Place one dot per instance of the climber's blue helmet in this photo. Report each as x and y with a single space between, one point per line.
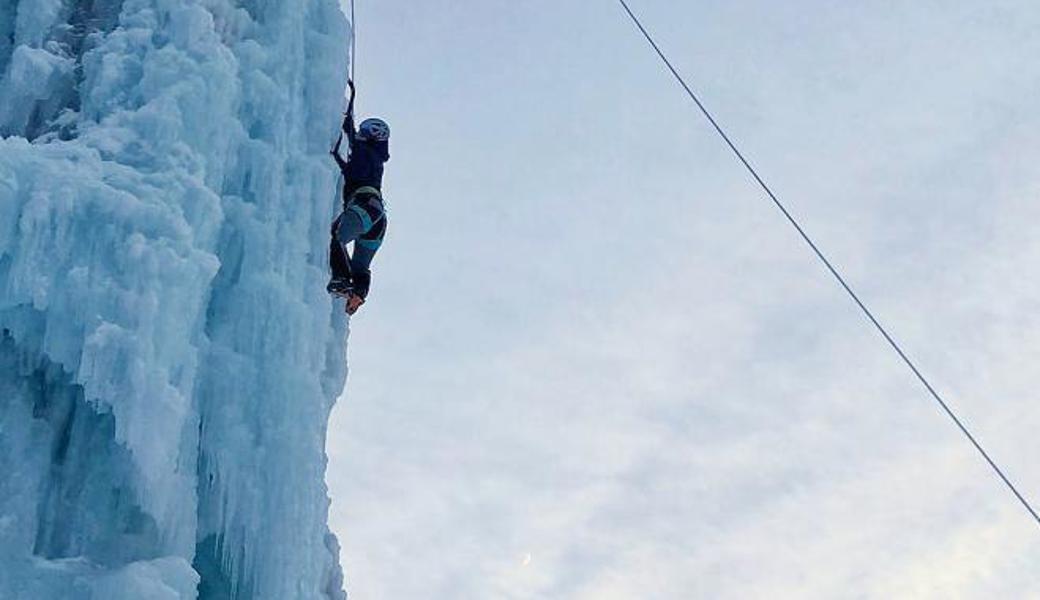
375 130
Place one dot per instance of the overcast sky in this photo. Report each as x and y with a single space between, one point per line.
597 364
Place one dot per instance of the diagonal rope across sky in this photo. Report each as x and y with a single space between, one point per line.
830 266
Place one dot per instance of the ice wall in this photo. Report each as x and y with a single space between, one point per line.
168 355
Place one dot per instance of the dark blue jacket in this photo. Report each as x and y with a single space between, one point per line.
364 166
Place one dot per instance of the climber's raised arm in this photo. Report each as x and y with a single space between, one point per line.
348 118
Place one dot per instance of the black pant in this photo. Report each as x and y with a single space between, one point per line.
363 221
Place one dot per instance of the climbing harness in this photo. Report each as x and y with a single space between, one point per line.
366 189
830 266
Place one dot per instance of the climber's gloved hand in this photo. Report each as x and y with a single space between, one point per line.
348 116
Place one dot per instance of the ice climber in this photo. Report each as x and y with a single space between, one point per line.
363 220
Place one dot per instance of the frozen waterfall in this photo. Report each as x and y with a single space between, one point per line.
168 355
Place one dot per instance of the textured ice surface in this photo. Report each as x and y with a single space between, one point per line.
168 356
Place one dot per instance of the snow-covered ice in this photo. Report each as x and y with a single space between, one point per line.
168 356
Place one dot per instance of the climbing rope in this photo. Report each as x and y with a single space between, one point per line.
353 41
830 267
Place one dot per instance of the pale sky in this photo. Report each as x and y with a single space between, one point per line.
597 364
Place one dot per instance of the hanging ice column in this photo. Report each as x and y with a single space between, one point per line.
168 356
